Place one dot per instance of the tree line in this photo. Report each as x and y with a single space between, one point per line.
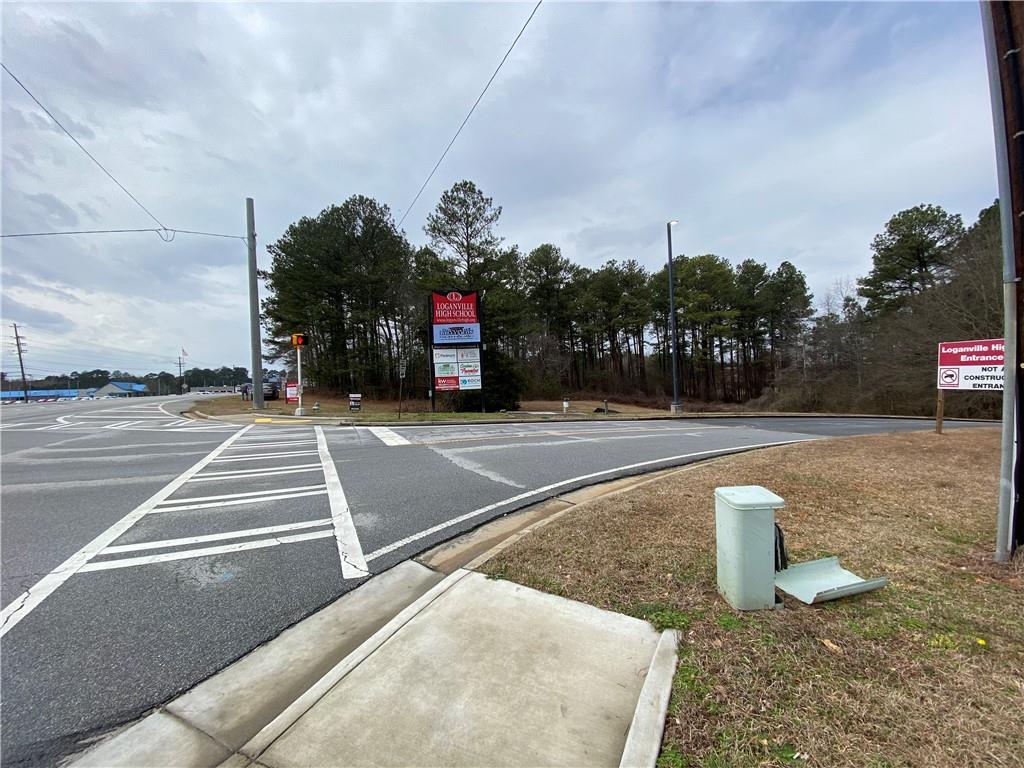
356 284
359 288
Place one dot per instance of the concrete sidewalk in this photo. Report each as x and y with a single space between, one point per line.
472 671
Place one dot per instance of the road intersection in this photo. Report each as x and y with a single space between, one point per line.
142 554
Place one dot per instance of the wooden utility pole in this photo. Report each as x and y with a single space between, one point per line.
940 403
21 362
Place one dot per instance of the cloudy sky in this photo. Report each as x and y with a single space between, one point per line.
771 131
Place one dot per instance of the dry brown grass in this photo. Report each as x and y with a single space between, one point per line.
903 679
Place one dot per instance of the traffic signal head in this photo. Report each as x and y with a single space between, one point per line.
299 340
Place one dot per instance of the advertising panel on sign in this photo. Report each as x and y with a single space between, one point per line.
454 308
468 354
446 369
446 383
469 382
445 355
291 392
971 364
469 369
457 334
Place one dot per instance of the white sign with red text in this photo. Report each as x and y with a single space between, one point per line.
971 364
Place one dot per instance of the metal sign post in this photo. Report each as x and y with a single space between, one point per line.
299 341
401 381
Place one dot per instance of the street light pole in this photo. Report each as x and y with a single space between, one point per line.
676 405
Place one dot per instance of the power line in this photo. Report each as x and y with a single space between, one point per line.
87 152
162 233
470 114
165 233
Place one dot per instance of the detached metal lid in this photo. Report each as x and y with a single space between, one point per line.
749 497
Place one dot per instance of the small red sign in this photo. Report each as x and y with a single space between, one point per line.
446 383
953 354
454 308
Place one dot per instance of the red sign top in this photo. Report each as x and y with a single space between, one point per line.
454 308
980 352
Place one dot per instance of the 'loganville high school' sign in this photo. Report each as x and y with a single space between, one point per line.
454 308
971 364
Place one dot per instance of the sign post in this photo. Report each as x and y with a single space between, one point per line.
401 381
299 341
455 343
968 365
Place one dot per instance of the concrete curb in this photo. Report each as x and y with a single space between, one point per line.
341 421
643 742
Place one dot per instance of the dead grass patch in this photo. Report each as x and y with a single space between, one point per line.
925 672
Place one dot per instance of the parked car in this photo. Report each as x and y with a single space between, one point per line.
271 390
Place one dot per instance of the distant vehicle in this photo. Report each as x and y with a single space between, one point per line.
271 390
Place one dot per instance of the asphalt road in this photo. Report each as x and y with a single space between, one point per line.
142 552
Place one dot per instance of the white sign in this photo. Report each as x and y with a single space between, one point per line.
971 364
470 382
446 369
468 354
445 355
469 369
457 334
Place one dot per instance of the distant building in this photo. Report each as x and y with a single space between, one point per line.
122 389
43 394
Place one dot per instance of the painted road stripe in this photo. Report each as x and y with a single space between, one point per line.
258 456
25 603
273 445
237 473
114 550
562 483
388 437
240 495
353 564
237 502
105 565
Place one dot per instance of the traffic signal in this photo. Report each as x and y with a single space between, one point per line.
299 339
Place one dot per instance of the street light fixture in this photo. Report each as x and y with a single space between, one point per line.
676 405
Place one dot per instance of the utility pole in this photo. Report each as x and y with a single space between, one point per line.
181 377
21 362
676 407
254 308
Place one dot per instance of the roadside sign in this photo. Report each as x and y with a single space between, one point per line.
469 382
355 402
401 369
446 383
971 365
468 354
454 308
468 333
291 392
469 369
443 355
446 369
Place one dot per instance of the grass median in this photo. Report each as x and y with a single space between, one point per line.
925 672
419 410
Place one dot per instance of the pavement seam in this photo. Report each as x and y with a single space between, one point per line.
281 724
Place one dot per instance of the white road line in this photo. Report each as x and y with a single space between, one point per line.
258 456
353 564
105 565
561 483
25 603
242 495
388 437
214 537
237 502
238 474
115 425
273 445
